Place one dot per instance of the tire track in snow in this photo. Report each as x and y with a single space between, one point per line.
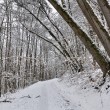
43 101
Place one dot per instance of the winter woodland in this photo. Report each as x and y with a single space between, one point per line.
46 39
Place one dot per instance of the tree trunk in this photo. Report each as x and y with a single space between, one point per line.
96 24
92 48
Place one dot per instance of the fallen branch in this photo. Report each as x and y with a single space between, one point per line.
6 101
38 96
28 96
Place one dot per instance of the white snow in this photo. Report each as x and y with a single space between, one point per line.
56 95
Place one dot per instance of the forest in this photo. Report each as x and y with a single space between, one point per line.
68 40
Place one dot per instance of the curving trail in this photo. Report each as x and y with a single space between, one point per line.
44 95
55 95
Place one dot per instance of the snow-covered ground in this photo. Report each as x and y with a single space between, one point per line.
56 95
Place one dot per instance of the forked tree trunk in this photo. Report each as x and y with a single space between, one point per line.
63 3
92 48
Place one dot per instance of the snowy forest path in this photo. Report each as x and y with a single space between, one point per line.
55 95
51 97
44 95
